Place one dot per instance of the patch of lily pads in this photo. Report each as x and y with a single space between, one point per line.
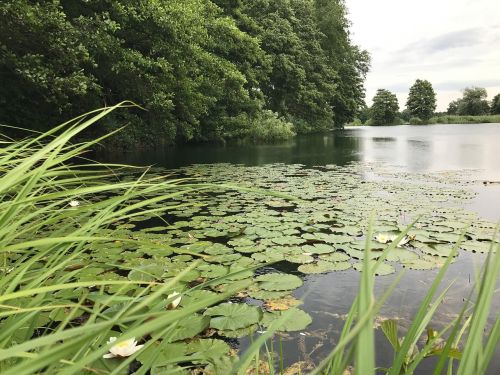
267 245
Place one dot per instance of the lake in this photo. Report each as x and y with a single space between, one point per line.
463 155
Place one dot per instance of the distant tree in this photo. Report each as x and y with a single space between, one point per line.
385 107
405 115
453 107
421 101
495 105
364 114
474 102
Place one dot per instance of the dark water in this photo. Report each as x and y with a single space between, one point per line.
474 149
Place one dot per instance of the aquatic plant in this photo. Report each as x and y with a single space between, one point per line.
91 252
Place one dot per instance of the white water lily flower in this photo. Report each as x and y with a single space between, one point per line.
122 349
382 238
402 242
74 203
174 303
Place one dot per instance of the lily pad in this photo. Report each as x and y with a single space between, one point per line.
278 281
382 270
323 266
296 320
233 316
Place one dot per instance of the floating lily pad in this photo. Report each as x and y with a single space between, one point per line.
323 266
479 246
300 258
278 281
382 270
318 249
281 304
233 316
335 257
296 320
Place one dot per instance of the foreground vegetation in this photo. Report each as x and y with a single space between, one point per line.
450 119
74 275
205 70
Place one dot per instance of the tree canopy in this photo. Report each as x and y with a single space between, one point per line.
385 107
203 70
495 105
473 103
421 101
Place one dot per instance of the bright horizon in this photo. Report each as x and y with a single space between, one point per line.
452 44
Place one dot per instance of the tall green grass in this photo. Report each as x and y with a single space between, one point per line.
41 239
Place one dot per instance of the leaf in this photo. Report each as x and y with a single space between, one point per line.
281 304
278 281
318 249
233 316
323 266
297 319
390 329
208 349
189 327
383 269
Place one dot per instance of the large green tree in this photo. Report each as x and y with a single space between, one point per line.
421 101
385 108
474 102
495 105
202 69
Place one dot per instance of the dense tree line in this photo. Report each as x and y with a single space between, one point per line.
203 70
421 106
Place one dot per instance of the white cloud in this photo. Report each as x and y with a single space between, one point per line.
452 43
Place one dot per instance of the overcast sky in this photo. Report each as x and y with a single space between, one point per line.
451 43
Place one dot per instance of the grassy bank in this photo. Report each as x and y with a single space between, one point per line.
448 119
62 301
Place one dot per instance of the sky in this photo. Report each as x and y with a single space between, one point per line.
452 43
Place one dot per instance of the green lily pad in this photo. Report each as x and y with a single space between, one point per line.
335 257
382 270
296 320
300 258
318 248
278 281
233 316
323 266
479 246
188 327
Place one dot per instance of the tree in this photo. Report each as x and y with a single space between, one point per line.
202 69
385 107
421 100
453 107
495 105
473 102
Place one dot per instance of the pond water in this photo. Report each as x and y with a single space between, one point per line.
467 154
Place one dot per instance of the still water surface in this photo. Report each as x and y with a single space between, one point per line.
473 149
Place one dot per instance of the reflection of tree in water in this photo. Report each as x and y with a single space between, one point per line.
337 147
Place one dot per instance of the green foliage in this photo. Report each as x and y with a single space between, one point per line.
268 127
465 119
421 101
495 105
472 103
203 70
415 121
385 108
